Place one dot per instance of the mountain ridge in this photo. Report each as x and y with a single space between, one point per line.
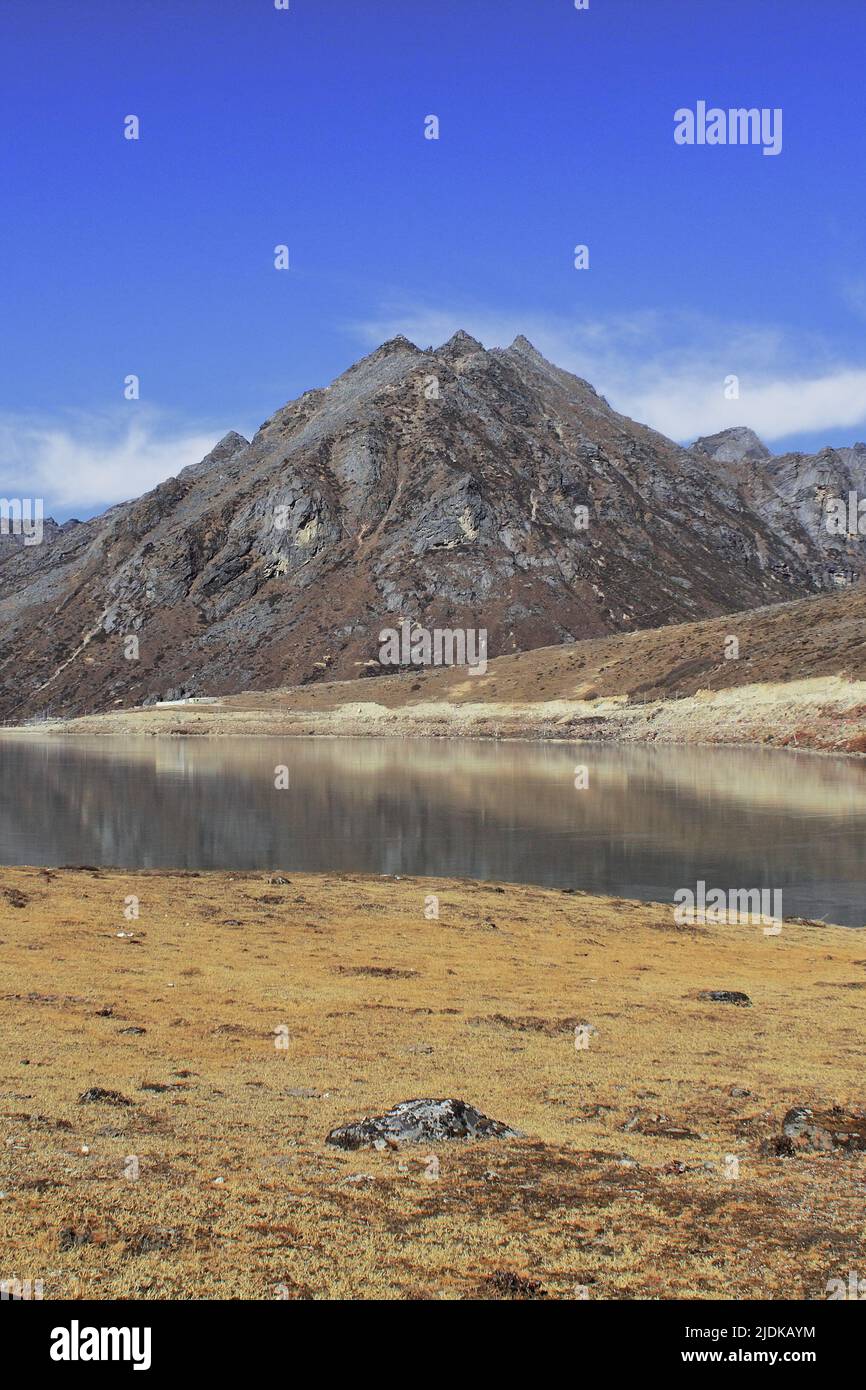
439 485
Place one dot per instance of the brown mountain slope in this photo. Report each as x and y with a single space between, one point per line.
799 680
439 486
820 636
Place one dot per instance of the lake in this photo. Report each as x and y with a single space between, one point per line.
651 819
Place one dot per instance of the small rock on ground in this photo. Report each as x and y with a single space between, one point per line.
421 1121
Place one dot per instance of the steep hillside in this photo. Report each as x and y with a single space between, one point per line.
458 488
799 680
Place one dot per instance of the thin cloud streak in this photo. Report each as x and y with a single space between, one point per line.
670 371
94 461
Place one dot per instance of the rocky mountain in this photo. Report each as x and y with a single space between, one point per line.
795 491
456 487
13 535
737 445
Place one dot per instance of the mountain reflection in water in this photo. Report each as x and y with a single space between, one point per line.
651 820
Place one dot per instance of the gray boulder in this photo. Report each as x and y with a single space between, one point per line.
420 1122
805 1130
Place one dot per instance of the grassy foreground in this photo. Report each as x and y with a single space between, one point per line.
237 1194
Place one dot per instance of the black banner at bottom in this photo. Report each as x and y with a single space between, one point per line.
149 1337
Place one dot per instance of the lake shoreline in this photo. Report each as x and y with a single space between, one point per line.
823 715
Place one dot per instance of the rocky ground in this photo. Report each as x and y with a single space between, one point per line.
170 1082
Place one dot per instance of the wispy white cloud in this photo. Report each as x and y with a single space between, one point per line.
690 405
94 460
670 370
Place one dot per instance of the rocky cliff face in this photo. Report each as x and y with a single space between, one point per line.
455 487
793 492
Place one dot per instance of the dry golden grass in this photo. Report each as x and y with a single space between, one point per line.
240 1194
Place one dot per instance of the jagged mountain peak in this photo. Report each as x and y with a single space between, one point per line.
460 344
222 452
522 344
399 343
390 348
395 354
526 353
529 358
735 445
231 441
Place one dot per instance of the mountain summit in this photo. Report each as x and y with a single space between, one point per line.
732 445
456 487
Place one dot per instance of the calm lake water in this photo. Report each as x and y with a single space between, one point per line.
651 820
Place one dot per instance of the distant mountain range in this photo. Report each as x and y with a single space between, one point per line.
455 487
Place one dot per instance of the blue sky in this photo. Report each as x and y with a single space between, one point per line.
306 127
